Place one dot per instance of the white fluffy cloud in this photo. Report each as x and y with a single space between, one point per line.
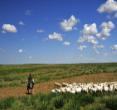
55 36
20 50
109 6
21 23
82 47
66 43
68 25
9 28
114 47
90 29
88 39
106 27
88 34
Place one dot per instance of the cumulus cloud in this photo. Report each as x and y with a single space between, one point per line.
55 36
20 50
68 25
66 43
109 6
82 47
106 27
40 30
114 47
90 29
9 28
89 39
88 34
21 23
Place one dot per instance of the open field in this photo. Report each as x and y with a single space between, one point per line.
46 87
16 75
13 93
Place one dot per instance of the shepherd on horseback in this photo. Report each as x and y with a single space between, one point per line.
30 84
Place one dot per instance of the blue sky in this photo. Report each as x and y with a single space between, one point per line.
58 31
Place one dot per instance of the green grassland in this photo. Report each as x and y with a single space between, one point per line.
16 75
51 101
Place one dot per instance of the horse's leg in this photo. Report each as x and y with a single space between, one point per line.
28 91
32 91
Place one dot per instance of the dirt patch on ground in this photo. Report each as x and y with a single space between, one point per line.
48 86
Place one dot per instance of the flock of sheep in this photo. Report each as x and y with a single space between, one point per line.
85 87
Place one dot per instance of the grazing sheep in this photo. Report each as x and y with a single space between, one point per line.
85 87
57 84
64 84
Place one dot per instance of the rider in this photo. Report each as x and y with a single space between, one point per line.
30 83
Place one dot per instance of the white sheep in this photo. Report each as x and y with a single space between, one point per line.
86 87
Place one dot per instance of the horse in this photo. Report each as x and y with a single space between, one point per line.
30 86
